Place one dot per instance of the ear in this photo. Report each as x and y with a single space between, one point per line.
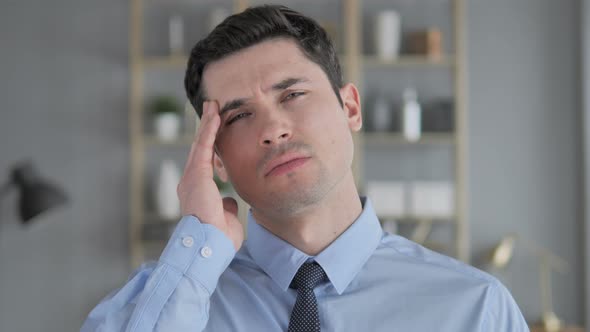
352 106
219 167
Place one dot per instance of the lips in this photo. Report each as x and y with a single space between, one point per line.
284 162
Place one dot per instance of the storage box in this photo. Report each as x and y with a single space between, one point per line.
388 198
425 42
432 199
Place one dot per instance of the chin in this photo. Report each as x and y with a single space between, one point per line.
296 194
297 198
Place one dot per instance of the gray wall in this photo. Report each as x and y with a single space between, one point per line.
63 86
525 164
585 41
64 90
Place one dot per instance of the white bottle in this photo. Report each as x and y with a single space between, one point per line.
411 116
167 203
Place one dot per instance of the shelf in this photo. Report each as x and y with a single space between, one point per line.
408 61
354 65
370 138
183 140
389 138
180 61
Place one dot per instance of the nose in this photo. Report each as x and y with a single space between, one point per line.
276 130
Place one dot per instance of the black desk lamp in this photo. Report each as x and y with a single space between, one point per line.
36 194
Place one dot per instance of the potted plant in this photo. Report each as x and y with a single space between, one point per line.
166 111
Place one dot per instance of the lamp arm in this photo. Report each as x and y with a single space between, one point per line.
545 284
422 231
551 259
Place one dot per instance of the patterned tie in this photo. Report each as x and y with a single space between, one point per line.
305 316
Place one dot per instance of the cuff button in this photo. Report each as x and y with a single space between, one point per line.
206 252
188 241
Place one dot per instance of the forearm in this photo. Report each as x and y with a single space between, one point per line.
172 294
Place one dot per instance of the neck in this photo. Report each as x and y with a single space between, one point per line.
312 230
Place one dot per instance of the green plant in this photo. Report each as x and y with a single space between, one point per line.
165 104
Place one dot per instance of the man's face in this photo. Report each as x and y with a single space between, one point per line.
284 140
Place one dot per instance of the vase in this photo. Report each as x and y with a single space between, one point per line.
387 34
167 203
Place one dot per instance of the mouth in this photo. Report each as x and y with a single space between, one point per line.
284 164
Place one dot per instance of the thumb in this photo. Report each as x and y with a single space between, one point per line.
230 205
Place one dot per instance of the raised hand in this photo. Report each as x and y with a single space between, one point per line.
197 191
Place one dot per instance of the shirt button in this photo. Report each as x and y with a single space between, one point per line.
188 241
206 252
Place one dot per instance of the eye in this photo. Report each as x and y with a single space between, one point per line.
293 95
237 117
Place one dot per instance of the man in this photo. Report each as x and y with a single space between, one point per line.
276 121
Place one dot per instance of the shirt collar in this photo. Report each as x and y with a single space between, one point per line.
341 260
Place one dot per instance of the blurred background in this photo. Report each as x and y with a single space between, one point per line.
474 142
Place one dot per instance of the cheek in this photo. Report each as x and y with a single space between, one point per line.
239 171
232 139
237 154
329 126
336 137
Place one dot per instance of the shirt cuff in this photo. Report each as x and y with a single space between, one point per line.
200 251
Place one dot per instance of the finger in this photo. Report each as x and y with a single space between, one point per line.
230 205
202 155
196 137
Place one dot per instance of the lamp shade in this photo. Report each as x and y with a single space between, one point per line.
502 253
36 194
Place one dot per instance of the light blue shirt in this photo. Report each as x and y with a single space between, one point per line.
377 282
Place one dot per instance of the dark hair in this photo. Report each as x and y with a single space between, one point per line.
252 26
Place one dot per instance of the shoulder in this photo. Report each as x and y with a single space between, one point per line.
498 310
422 268
402 250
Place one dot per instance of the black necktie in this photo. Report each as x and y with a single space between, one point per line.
305 316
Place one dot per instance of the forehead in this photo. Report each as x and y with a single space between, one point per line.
257 68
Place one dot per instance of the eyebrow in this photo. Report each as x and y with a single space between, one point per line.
282 85
287 82
232 104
